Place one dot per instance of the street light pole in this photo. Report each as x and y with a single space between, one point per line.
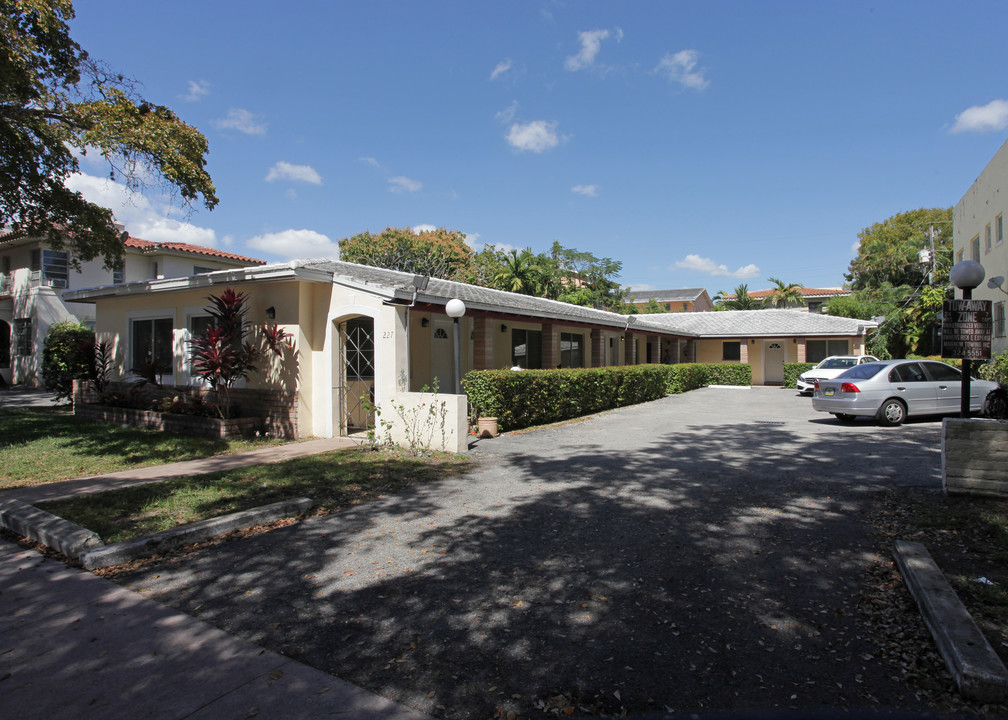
456 309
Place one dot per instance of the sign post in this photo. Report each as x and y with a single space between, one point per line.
966 334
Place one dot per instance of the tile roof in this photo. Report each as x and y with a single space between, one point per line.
760 323
680 295
148 246
806 292
400 285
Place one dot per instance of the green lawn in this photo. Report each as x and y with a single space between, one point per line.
335 479
40 445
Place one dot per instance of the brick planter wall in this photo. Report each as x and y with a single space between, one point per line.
269 411
975 456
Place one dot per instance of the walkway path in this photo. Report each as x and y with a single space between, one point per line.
75 645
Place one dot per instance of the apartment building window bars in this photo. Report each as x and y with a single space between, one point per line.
23 345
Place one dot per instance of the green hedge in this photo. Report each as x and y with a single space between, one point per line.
537 397
793 370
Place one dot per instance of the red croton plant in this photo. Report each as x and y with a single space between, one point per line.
228 350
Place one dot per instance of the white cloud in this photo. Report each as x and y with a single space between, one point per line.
536 136
370 161
641 287
682 68
140 216
400 183
508 114
292 244
706 265
423 227
198 89
299 173
500 68
243 121
983 118
591 44
586 190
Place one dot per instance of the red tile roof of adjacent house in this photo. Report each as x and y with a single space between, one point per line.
806 292
149 246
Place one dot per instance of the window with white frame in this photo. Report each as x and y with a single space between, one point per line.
999 229
23 344
987 239
999 319
152 344
118 274
975 248
53 267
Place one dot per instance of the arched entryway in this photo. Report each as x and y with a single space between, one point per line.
354 376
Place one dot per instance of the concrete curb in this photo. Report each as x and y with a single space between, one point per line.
50 530
978 671
177 537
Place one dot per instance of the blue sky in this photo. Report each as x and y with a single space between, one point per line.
702 144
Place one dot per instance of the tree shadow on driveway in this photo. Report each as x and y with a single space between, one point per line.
710 567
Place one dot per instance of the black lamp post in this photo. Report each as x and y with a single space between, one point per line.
966 275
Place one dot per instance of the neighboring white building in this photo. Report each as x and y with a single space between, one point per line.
978 233
33 279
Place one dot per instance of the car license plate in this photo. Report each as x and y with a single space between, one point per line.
828 392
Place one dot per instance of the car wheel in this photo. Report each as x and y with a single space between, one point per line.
892 412
996 404
844 417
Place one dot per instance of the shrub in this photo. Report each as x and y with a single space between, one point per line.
995 369
793 370
223 354
67 355
535 397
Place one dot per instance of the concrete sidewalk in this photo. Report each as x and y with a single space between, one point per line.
74 645
139 476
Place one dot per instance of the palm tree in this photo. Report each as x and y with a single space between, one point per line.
742 300
519 273
783 294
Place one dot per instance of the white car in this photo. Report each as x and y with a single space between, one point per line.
829 369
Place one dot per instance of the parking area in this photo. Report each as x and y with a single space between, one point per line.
704 552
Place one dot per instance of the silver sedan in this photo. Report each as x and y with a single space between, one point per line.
893 390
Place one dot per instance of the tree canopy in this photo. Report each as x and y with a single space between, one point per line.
56 104
439 253
888 251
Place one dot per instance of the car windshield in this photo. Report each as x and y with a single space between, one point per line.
861 372
838 363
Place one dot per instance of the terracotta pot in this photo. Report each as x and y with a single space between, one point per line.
487 427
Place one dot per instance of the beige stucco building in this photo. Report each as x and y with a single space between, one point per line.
978 233
34 280
385 336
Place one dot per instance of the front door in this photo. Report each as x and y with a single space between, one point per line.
353 393
773 363
443 354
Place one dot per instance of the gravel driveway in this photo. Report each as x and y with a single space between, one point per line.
704 552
